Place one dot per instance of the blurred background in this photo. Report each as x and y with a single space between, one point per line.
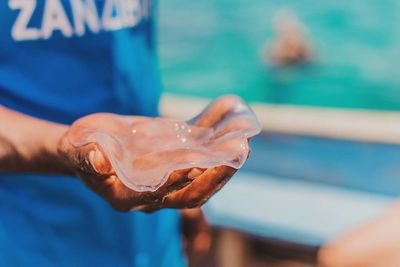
209 48
323 78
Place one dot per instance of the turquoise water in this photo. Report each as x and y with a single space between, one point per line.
212 47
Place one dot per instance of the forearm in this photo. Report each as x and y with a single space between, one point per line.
28 144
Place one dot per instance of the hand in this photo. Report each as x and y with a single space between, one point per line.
375 244
197 236
186 188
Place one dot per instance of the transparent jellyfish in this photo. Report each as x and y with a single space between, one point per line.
145 151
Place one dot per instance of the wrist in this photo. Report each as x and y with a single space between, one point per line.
54 162
38 151
28 144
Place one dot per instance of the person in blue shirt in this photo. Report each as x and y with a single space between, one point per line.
61 60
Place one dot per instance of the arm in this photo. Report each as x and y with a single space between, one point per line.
30 145
374 244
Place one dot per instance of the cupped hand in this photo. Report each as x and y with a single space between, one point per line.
185 188
196 233
374 244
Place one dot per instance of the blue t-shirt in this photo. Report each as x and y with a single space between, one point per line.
60 60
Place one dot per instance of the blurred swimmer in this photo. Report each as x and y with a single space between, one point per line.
290 46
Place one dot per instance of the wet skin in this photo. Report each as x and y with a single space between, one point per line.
186 187
31 145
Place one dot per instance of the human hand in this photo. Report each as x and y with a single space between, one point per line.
375 244
184 188
197 235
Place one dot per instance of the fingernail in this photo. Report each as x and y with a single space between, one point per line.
91 159
98 161
194 173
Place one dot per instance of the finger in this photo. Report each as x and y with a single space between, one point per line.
178 179
123 198
195 172
216 111
119 196
200 189
173 182
92 160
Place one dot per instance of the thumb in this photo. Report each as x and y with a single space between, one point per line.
92 160
99 161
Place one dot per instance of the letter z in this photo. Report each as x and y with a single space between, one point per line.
20 30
